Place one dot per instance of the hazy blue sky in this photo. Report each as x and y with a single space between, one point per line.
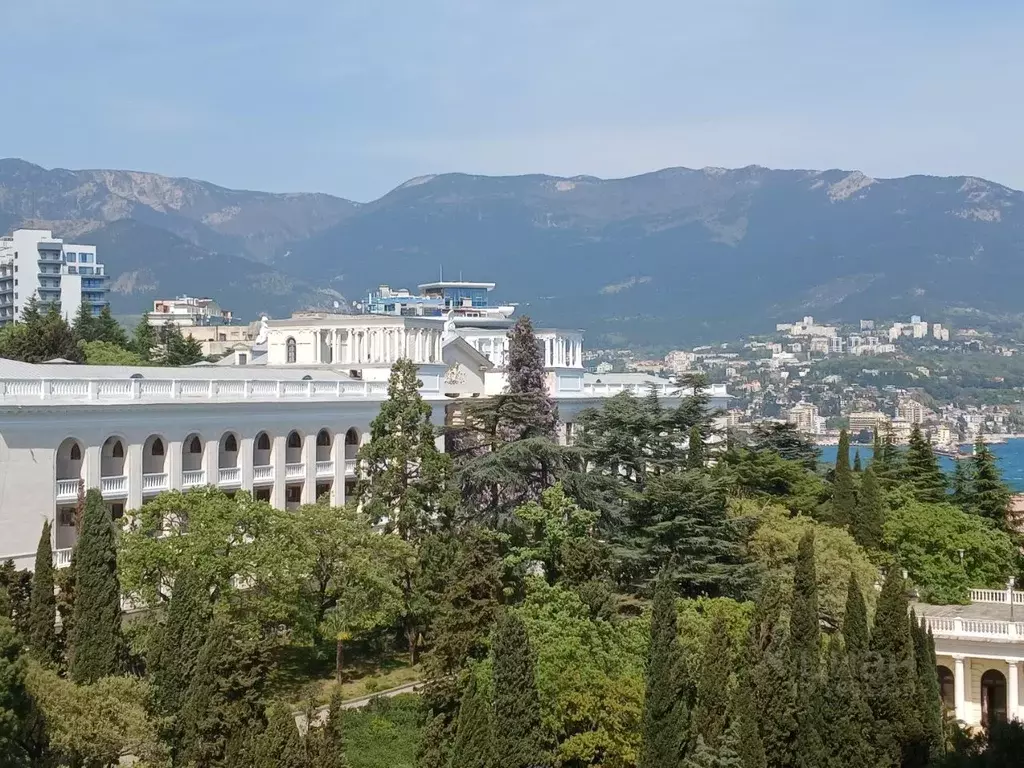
353 98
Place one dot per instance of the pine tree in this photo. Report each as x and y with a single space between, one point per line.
844 497
96 642
743 722
280 745
890 689
922 471
474 736
177 648
516 701
666 699
989 496
928 694
963 484
144 338
107 329
868 522
846 718
711 705
84 323
695 458
327 745
857 466
887 461
42 637
527 382
805 646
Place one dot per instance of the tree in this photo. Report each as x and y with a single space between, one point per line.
890 688
105 353
527 382
887 461
743 721
516 702
928 693
922 471
280 745
545 528
846 718
666 702
711 704
16 597
844 497
928 540
785 441
963 484
770 677
855 624
327 744
224 699
681 523
178 644
42 636
857 466
108 330
40 336
16 706
144 338
175 348
695 458
805 647
84 323
96 644
474 738
867 525
989 497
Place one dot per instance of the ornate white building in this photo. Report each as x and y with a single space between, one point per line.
285 423
979 649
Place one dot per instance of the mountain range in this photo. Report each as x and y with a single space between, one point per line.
677 255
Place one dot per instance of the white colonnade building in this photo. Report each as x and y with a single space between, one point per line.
284 423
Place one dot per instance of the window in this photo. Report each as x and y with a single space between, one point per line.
263 442
158 447
242 358
323 438
117 451
70 257
294 441
290 350
230 444
195 445
76 452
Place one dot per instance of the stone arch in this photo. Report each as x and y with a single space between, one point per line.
227 455
70 459
993 697
352 439
262 446
112 457
947 686
293 448
324 444
291 351
192 450
154 455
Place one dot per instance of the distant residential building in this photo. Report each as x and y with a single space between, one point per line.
219 340
604 367
940 333
187 311
733 418
867 325
807 327
873 421
804 416
35 263
820 345
680 360
910 410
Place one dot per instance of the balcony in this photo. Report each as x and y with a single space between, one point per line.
325 469
263 475
114 487
62 558
975 629
155 482
295 471
350 467
230 476
192 478
67 490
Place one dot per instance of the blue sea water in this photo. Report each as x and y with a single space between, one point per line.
1010 456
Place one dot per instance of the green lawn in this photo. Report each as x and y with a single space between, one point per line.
302 676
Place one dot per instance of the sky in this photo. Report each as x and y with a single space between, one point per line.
354 98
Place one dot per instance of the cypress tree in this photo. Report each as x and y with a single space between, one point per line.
327 744
42 637
846 717
844 497
280 745
178 646
868 523
527 381
17 713
887 461
665 701
704 756
711 705
743 721
805 647
890 689
771 680
96 642
474 735
731 750
516 701
989 496
928 693
922 471
695 457
855 624
857 466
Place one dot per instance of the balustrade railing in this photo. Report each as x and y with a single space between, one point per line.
190 478
116 485
324 468
981 629
295 471
263 473
350 467
153 482
62 558
67 490
996 596
230 475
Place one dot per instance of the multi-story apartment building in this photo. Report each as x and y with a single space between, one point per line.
805 417
186 311
872 421
34 263
910 410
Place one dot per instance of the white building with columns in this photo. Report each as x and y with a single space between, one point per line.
286 426
979 649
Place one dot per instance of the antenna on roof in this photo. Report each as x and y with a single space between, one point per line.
440 273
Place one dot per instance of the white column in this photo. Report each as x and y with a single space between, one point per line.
211 461
133 468
958 687
1013 691
245 461
309 483
172 464
280 456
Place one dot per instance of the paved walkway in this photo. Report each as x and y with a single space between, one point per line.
320 714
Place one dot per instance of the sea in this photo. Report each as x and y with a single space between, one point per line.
1010 456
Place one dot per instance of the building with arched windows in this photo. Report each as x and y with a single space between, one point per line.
287 429
979 650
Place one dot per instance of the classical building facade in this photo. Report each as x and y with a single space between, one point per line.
285 425
979 649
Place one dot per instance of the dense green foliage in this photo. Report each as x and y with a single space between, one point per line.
42 633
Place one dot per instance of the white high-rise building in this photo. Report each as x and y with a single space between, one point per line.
35 263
